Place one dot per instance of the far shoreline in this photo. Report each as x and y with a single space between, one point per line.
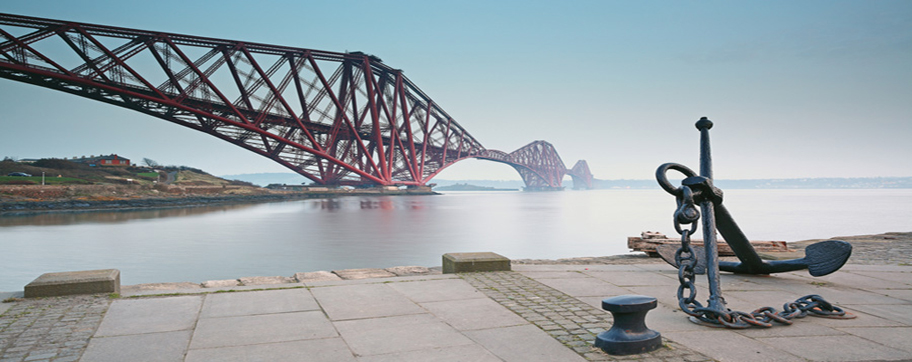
93 203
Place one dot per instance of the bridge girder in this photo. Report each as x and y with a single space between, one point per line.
335 118
538 163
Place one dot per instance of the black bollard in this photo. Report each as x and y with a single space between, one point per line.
629 334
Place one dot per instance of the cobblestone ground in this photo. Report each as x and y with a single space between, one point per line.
50 329
570 321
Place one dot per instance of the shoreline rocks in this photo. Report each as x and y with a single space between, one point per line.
30 207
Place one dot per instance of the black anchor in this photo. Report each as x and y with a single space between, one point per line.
820 259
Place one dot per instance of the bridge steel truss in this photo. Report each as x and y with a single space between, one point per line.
335 118
582 177
539 165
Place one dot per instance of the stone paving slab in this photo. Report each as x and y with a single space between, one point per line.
152 347
472 314
634 278
262 328
437 290
315 350
897 313
261 302
725 346
472 352
340 282
904 294
363 301
374 336
836 348
894 337
138 316
523 343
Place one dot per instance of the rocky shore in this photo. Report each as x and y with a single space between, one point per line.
25 200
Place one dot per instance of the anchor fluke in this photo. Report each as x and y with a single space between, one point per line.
827 256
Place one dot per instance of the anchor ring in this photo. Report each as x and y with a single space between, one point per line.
662 178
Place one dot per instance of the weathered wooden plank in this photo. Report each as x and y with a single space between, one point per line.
648 245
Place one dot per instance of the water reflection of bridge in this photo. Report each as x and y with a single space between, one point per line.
335 118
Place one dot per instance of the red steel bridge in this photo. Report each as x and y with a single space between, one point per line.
335 118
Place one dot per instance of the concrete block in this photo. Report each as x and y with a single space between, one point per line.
474 262
75 282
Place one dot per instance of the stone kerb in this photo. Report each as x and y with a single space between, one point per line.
474 262
74 282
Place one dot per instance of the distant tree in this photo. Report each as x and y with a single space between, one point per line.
8 158
151 163
241 183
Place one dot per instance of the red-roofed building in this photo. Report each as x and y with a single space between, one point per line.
109 160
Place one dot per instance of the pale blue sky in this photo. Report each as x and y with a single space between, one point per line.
796 88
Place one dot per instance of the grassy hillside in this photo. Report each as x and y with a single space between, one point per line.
63 172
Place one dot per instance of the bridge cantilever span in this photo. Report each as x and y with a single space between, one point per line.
538 163
582 177
335 118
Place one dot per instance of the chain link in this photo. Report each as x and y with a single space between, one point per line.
762 317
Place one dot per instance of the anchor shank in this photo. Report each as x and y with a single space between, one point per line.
704 125
709 222
712 256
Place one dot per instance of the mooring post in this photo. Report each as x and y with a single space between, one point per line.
629 334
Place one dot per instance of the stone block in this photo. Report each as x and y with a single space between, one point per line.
352 274
474 262
220 283
75 282
266 280
409 270
159 287
315 276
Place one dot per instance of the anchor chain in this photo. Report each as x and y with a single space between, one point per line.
686 259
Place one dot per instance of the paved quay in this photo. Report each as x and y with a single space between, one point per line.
533 313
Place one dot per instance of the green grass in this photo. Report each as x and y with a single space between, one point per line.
48 180
148 174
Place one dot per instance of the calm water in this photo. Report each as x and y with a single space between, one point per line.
227 242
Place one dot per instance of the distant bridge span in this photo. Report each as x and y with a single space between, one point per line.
335 118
